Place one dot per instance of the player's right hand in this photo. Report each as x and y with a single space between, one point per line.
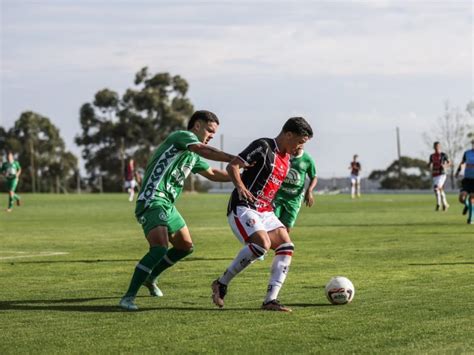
245 194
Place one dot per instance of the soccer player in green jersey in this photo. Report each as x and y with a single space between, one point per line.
11 169
289 198
178 156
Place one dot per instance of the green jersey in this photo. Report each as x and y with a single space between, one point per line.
167 169
11 169
293 186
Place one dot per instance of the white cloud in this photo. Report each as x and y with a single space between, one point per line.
380 41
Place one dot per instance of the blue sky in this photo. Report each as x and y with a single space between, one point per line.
354 69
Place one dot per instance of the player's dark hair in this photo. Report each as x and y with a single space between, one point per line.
299 126
202 115
435 144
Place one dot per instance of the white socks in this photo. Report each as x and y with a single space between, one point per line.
246 256
280 267
443 198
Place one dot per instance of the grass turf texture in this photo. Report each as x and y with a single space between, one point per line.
411 267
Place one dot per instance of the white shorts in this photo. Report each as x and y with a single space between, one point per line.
248 221
438 181
355 179
130 184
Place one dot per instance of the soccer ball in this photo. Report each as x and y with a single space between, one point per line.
340 290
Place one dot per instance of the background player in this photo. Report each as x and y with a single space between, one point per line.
466 195
289 198
131 177
11 170
250 212
355 168
438 162
178 156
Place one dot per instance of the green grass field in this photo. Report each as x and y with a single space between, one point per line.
412 269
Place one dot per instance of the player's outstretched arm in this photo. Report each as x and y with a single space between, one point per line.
210 153
308 197
459 169
215 175
461 165
233 169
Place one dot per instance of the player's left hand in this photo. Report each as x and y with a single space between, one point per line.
308 199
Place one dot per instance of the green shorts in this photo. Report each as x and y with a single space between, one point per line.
11 184
161 215
287 212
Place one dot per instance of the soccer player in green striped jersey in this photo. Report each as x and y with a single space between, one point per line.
291 195
11 169
179 155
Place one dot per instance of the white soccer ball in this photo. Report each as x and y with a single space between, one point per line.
340 290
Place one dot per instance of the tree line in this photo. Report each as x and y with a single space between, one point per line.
115 127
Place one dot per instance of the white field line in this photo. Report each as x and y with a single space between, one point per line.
25 255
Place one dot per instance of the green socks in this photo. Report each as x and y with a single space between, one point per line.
172 257
11 200
469 209
144 268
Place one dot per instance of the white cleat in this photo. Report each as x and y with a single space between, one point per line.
128 304
154 290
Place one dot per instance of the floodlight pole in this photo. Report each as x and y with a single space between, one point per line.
399 154
222 163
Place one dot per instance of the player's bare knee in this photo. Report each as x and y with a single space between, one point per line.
186 246
261 239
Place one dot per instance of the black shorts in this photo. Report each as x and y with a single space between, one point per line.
467 185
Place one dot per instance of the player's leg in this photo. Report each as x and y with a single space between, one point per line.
437 192
358 186
10 185
10 201
470 199
156 232
247 226
438 197
444 200
182 247
353 182
441 184
463 196
15 195
131 190
281 243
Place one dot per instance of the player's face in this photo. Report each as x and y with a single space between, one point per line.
295 142
206 131
10 158
438 148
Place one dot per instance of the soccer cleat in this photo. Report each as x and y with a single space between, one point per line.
128 304
464 211
8 209
445 207
154 290
275 305
219 290
18 203
437 208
